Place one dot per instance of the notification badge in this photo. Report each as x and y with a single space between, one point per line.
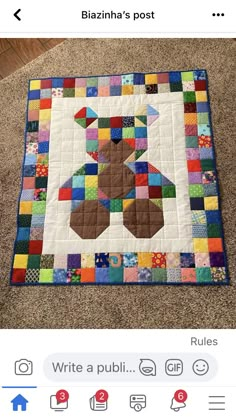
178 401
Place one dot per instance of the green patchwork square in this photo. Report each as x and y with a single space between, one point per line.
91 193
214 230
138 153
207 165
103 122
203 274
41 182
92 145
159 275
176 87
92 81
34 261
39 207
196 190
46 275
157 202
128 132
187 76
116 205
82 122
203 118
116 274
68 92
168 191
22 247
24 220
191 142
189 97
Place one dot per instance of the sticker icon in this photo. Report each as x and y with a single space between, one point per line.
99 402
178 401
147 367
200 367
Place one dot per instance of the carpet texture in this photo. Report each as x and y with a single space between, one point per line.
119 307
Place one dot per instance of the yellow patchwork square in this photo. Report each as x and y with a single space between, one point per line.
151 79
35 84
200 245
26 207
91 181
127 203
201 96
190 118
144 260
45 115
80 91
104 133
34 105
20 261
211 203
127 89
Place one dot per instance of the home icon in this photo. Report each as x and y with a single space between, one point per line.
19 403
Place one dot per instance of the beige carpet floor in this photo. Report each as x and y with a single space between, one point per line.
127 306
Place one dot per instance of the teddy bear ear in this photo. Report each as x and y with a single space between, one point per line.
85 117
147 114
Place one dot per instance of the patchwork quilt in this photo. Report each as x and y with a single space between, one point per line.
119 183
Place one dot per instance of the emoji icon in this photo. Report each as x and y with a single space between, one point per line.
200 367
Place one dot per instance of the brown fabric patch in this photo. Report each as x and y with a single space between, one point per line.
143 218
116 153
116 180
90 219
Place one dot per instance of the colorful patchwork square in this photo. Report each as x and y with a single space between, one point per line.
128 192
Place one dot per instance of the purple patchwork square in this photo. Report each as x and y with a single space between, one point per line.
195 177
217 259
74 261
115 80
91 134
141 144
43 136
192 153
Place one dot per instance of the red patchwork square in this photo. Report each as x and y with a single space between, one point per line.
194 165
155 191
116 122
141 179
46 84
35 247
45 103
65 194
200 85
29 183
18 276
159 260
69 83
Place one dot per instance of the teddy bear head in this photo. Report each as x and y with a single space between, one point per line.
116 139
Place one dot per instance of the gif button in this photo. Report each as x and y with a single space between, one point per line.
174 367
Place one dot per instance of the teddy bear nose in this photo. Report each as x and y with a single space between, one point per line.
116 140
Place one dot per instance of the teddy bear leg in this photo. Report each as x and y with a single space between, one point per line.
143 218
90 219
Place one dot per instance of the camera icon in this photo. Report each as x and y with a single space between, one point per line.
23 367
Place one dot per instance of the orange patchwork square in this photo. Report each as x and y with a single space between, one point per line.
190 118
215 245
88 275
45 103
194 166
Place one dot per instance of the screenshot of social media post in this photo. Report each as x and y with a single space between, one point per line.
117 211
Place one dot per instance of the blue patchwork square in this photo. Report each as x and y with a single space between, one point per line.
130 259
105 203
29 170
204 129
34 94
78 181
27 195
131 194
202 107
116 133
139 79
60 276
141 167
141 132
102 275
199 230
37 220
78 193
127 79
199 75
213 216
23 233
91 169
115 90
45 93
174 76
57 83
75 204
43 147
210 189
102 260
206 153
30 159
92 91
154 179
187 260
